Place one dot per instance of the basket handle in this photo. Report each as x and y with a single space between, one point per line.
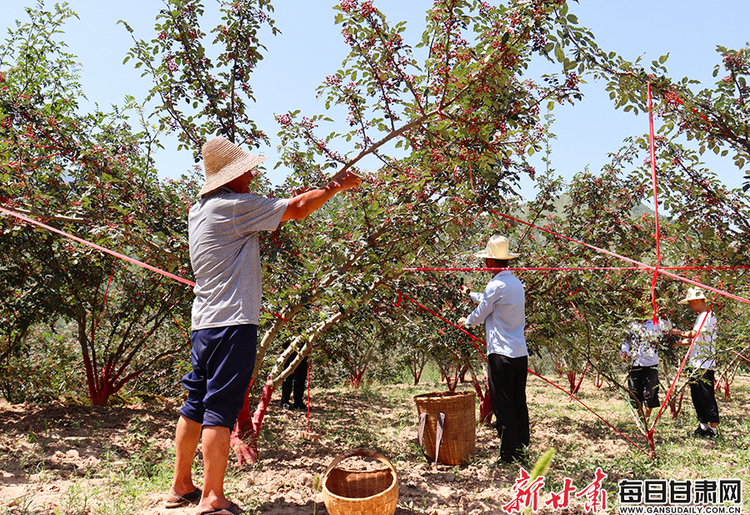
367 453
438 434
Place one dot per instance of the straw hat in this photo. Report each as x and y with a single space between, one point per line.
497 248
224 161
693 293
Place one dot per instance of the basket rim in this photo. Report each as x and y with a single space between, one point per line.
444 395
367 453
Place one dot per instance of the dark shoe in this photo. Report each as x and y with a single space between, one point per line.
175 501
232 509
285 405
699 433
300 407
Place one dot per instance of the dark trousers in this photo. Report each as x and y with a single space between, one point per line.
295 382
643 383
507 382
703 395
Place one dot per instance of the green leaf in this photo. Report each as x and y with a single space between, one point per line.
559 53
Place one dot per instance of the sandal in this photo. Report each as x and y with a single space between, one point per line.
232 509
175 501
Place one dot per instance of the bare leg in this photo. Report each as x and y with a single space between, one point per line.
215 458
186 442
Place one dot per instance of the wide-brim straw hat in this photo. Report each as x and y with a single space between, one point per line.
224 161
497 248
693 294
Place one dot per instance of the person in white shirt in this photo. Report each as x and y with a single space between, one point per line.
501 307
701 362
641 347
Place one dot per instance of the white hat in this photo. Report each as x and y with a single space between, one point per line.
497 248
224 161
693 293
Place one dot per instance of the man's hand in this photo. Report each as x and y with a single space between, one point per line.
465 290
300 191
461 322
304 203
347 181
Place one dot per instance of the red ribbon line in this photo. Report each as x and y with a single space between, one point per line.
569 268
740 355
113 253
591 410
98 247
475 339
652 148
679 370
622 258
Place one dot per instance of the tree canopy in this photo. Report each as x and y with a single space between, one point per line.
452 134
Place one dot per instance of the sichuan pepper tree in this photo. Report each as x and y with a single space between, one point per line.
90 175
447 133
463 121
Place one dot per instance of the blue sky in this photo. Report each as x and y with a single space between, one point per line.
310 47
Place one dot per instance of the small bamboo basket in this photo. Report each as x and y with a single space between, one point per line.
447 426
353 492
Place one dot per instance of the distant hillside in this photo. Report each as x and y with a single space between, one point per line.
564 199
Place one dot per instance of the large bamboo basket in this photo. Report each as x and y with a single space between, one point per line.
353 492
447 426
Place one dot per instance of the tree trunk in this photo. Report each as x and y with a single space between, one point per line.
355 378
483 394
244 438
675 405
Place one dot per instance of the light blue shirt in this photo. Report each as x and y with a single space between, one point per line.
502 309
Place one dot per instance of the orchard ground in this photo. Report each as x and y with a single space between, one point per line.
70 459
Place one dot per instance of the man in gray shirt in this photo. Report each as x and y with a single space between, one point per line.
223 229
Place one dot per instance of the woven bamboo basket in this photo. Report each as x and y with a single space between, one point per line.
353 492
455 413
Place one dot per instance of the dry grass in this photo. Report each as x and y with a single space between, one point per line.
82 460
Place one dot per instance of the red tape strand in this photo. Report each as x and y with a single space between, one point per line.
623 258
570 268
112 252
97 247
652 148
475 339
740 355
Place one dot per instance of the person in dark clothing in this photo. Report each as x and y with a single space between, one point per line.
295 384
701 362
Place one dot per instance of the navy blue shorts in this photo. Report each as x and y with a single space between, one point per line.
223 359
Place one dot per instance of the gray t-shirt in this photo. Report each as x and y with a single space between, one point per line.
223 235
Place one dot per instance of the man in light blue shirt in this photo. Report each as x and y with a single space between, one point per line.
501 307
